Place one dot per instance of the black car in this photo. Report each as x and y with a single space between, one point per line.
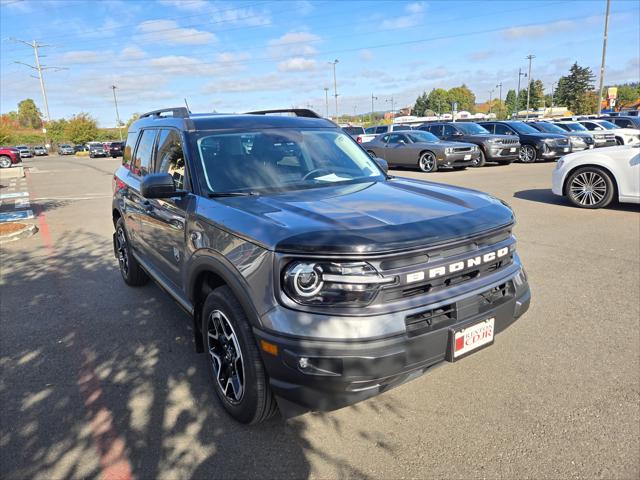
313 279
115 149
80 148
623 121
534 145
502 149
579 140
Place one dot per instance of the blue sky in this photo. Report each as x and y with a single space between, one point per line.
235 56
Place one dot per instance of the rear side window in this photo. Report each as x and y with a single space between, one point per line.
488 127
170 157
128 149
436 130
382 129
623 122
503 130
142 157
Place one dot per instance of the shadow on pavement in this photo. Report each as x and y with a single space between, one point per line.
95 374
545 195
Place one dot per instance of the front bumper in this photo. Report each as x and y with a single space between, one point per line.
557 179
551 152
464 159
309 374
503 153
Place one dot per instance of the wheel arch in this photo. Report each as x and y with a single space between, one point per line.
592 165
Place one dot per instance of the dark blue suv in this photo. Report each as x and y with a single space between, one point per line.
313 278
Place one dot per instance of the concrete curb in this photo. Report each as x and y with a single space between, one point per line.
28 230
13 172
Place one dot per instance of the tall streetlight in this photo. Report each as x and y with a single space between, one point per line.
335 85
326 100
604 55
372 99
115 101
390 100
499 86
529 57
490 99
520 75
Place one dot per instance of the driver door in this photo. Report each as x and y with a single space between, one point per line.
395 150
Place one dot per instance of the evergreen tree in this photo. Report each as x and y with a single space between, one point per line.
511 102
573 89
420 105
28 114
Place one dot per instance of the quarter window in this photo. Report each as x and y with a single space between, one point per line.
170 156
127 153
142 159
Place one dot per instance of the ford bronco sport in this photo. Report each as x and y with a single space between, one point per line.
314 279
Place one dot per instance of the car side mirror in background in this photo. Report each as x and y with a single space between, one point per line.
159 185
382 163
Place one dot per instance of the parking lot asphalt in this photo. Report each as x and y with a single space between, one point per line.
100 379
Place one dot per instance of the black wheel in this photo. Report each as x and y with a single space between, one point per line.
619 141
239 378
427 162
91 155
528 154
130 269
480 161
590 187
5 162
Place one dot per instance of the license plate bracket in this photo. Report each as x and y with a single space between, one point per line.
463 341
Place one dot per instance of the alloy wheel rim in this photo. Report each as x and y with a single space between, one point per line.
526 154
426 162
123 253
588 188
226 357
5 163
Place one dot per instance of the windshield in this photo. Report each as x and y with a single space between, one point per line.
607 125
282 160
353 130
522 127
471 128
576 127
550 128
420 136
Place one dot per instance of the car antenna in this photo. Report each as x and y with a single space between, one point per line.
187 105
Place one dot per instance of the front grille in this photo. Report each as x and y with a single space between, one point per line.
430 320
462 149
509 141
561 142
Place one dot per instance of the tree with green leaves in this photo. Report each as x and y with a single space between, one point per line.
464 97
28 114
56 130
81 128
420 105
573 90
536 95
438 101
133 118
511 102
628 94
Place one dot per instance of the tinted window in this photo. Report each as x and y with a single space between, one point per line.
353 130
396 138
623 122
548 127
422 137
522 127
382 129
169 158
385 138
502 129
488 127
448 130
436 130
471 128
142 158
128 149
370 130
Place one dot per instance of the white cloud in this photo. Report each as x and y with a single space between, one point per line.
414 16
168 31
241 16
191 5
132 53
231 57
180 64
480 55
298 64
294 43
539 30
415 8
365 55
83 56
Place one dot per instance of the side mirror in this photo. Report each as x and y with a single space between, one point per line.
457 134
159 185
382 163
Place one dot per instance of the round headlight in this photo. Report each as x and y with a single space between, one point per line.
307 279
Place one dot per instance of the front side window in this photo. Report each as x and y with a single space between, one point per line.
127 153
523 128
396 138
503 130
281 160
472 128
170 157
382 129
422 137
142 158
449 131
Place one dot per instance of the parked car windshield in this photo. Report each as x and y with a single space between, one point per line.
550 128
607 125
353 130
576 127
282 159
421 136
522 127
472 128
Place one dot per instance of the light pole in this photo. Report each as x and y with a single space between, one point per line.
326 100
115 101
499 86
390 100
520 75
372 99
553 91
490 99
529 57
604 55
335 85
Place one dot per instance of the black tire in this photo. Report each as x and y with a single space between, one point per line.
480 161
91 155
5 162
590 187
619 141
427 162
131 271
256 402
528 154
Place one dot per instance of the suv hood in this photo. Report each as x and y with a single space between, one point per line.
359 219
542 135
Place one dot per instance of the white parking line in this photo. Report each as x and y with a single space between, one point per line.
6 196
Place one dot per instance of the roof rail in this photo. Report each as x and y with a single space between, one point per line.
299 112
177 112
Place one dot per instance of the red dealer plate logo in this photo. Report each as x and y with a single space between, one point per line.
473 337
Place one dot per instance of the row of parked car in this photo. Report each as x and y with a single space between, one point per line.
458 145
95 149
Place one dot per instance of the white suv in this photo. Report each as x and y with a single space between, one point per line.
624 136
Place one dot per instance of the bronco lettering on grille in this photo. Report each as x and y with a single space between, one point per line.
458 266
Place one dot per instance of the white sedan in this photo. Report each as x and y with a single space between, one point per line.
592 178
624 136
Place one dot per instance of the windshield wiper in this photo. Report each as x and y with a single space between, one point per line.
231 194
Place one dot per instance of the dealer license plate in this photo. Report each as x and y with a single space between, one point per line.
467 157
470 339
566 149
512 149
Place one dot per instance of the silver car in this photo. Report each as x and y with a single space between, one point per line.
423 150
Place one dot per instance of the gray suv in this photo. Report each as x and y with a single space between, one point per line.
313 279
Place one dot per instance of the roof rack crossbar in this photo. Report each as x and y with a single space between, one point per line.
299 112
177 112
